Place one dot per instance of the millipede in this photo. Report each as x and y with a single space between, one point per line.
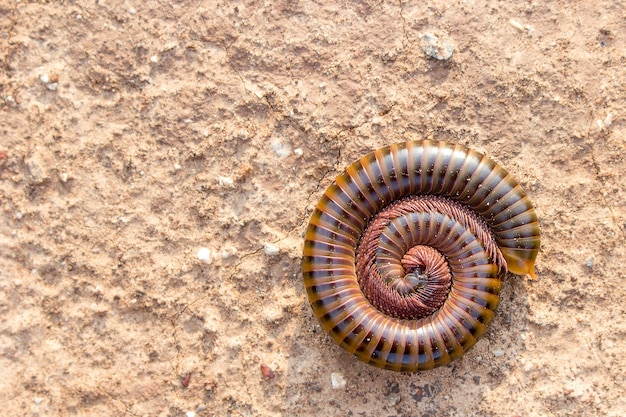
405 253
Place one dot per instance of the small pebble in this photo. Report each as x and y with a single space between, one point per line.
517 25
297 152
204 255
589 263
281 149
37 170
437 45
337 380
603 124
177 167
228 252
270 250
190 414
267 372
64 177
201 408
225 181
497 352
51 80
243 134
154 59
38 400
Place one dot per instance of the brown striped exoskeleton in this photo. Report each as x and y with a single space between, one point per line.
405 251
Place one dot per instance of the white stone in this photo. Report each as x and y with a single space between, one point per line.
225 181
281 149
228 252
204 255
337 380
517 25
270 250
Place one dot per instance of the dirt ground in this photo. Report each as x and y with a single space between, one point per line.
133 134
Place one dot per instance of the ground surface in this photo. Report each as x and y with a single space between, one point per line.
134 133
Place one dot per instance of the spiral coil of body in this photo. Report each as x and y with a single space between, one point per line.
404 253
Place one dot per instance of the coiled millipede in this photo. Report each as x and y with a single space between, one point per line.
404 253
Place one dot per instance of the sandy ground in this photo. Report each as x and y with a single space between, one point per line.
132 134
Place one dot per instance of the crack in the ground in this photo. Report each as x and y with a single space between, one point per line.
176 346
174 319
265 97
325 175
596 167
277 111
127 410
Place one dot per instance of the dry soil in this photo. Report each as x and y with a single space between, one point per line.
134 133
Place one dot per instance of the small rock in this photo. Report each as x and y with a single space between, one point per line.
37 170
267 372
393 399
204 255
281 149
497 352
225 181
201 408
337 380
228 251
51 81
38 400
298 152
589 263
190 414
243 134
270 250
437 45
517 25
154 59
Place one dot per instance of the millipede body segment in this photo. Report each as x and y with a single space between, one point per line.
404 253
